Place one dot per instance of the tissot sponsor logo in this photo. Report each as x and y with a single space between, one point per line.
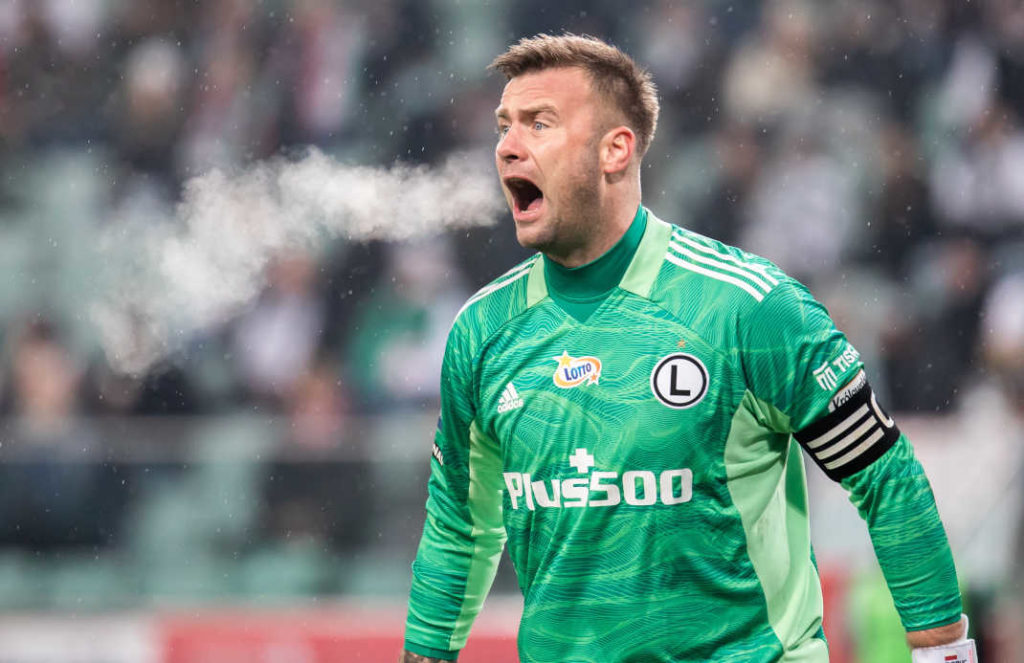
827 375
574 371
599 489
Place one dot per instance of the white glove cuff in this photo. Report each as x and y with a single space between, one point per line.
961 651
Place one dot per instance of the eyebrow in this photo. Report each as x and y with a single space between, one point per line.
502 113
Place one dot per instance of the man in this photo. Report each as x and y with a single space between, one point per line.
622 408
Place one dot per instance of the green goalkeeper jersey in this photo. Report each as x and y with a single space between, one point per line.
638 447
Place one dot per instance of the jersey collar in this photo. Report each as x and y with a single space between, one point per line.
597 278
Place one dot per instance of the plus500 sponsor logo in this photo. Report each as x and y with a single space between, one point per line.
600 489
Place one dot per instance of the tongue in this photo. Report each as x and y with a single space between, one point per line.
535 203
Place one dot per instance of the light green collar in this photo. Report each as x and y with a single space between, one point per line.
580 290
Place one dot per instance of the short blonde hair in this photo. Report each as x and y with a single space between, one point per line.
614 75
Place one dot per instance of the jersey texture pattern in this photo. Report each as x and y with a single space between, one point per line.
644 467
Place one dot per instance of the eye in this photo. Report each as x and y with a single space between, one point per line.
501 130
539 126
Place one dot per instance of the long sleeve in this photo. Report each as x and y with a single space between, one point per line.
895 499
802 365
463 534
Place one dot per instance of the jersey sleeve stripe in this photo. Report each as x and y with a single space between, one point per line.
512 275
760 269
715 275
720 265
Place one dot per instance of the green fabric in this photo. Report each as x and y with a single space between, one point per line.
647 261
580 290
653 496
773 500
488 533
895 499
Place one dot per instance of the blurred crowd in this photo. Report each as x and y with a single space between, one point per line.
874 149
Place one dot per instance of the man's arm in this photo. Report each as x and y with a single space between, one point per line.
463 535
933 637
798 361
895 499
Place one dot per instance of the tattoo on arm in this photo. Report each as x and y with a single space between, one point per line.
409 657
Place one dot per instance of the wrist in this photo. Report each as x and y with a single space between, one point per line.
945 644
938 635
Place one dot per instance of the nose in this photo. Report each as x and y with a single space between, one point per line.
510 147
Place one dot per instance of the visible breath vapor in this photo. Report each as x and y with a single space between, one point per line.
166 281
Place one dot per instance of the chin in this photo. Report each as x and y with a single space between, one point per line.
530 238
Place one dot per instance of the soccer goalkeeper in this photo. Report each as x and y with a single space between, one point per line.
626 409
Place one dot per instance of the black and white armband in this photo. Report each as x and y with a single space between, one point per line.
854 434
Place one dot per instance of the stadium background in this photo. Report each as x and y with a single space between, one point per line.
259 495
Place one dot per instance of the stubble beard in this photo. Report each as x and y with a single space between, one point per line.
574 223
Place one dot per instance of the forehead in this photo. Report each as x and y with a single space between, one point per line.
564 88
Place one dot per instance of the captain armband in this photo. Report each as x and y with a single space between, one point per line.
853 435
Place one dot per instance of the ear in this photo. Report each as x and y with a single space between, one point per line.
616 150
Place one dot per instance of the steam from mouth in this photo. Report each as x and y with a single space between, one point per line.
163 281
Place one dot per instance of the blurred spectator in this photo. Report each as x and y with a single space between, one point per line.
979 184
318 408
309 482
148 118
903 217
274 342
55 493
930 359
50 95
738 157
1004 20
316 60
772 72
400 332
890 47
679 43
229 120
1003 340
802 210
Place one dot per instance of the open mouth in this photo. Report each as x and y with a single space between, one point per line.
526 195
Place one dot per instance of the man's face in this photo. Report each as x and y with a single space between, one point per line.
547 157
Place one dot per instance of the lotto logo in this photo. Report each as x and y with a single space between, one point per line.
574 371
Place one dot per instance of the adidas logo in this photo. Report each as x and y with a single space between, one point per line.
510 399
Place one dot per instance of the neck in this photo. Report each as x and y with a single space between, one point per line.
612 220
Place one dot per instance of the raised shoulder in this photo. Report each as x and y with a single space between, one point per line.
716 266
498 301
